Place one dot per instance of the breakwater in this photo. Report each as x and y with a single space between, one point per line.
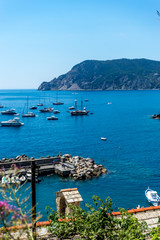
64 165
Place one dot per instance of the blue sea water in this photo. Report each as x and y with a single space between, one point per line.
131 152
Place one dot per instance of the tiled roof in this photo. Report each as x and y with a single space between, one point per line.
150 215
71 195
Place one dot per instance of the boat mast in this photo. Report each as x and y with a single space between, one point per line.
81 104
27 104
75 104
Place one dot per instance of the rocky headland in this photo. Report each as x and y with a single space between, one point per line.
119 74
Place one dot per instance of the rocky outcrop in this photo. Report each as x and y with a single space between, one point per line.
121 74
83 168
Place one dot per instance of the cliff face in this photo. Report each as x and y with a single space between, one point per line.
121 74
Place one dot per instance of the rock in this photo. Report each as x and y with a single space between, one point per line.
104 170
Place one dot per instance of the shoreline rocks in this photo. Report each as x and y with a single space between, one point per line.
78 168
84 168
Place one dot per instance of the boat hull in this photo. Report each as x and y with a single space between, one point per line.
5 113
79 113
11 124
153 201
58 103
28 115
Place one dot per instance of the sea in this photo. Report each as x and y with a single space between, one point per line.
131 153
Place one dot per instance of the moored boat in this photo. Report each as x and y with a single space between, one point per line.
7 179
152 197
58 103
52 118
71 108
28 114
33 107
9 112
103 138
156 116
44 110
56 111
12 123
80 112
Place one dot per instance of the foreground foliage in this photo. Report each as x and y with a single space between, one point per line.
97 223
13 208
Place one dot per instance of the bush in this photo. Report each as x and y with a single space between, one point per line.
97 223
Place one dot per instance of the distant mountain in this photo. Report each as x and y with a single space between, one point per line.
120 74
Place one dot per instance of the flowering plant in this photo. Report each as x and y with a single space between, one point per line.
13 206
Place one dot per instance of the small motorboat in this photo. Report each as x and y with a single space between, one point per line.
10 180
40 104
71 108
52 118
56 111
103 138
152 197
33 107
28 114
156 116
58 103
9 112
44 110
12 123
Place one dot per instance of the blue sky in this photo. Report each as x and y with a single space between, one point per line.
42 39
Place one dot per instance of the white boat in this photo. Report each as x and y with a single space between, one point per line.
12 180
152 197
9 112
103 138
28 114
12 123
71 108
44 110
33 107
56 111
52 118
57 102
80 112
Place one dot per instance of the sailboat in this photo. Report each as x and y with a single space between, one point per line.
40 104
80 112
57 103
28 114
44 110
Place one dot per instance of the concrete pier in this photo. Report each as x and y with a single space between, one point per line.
66 166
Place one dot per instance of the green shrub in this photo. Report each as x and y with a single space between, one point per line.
97 223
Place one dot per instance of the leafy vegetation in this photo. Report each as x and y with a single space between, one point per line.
13 208
97 223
